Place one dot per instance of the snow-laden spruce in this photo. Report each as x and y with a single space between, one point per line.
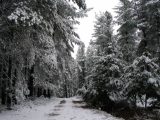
141 78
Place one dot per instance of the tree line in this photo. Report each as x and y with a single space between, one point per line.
123 68
36 41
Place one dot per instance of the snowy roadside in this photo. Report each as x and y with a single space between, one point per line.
30 110
55 109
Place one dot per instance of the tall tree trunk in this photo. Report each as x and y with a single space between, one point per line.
65 87
146 98
158 39
38 92
9 90
66 91
4 85
135 100
143 44
14 86
30 81
1 82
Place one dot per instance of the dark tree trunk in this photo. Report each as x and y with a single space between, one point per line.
143 44
14 86
40 92
0 82
146 101
35 92
30 82
4 85
45 93
135 101
66 91
9 90
3 102
49 94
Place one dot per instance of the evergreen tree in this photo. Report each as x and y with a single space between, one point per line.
91 55
105 79
127 30
33 42
106 68
148 18
81 62
141 79
103 32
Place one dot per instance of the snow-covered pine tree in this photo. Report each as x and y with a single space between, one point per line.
91 55
142 80
103 32
105 80
30 37
127 30
148 17
80 58
107 68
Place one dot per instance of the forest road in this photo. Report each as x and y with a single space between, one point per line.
59 109
75 109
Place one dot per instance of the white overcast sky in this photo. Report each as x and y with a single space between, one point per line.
86 27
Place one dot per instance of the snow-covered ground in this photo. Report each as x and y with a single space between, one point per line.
56 109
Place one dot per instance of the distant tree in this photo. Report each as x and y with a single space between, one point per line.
91 54
103 32
80 58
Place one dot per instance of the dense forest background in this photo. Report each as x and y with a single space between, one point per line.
122 70
117 70
36 41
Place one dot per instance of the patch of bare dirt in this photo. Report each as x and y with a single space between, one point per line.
62 102
81 104
53 114
59 106
78 102
56 109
